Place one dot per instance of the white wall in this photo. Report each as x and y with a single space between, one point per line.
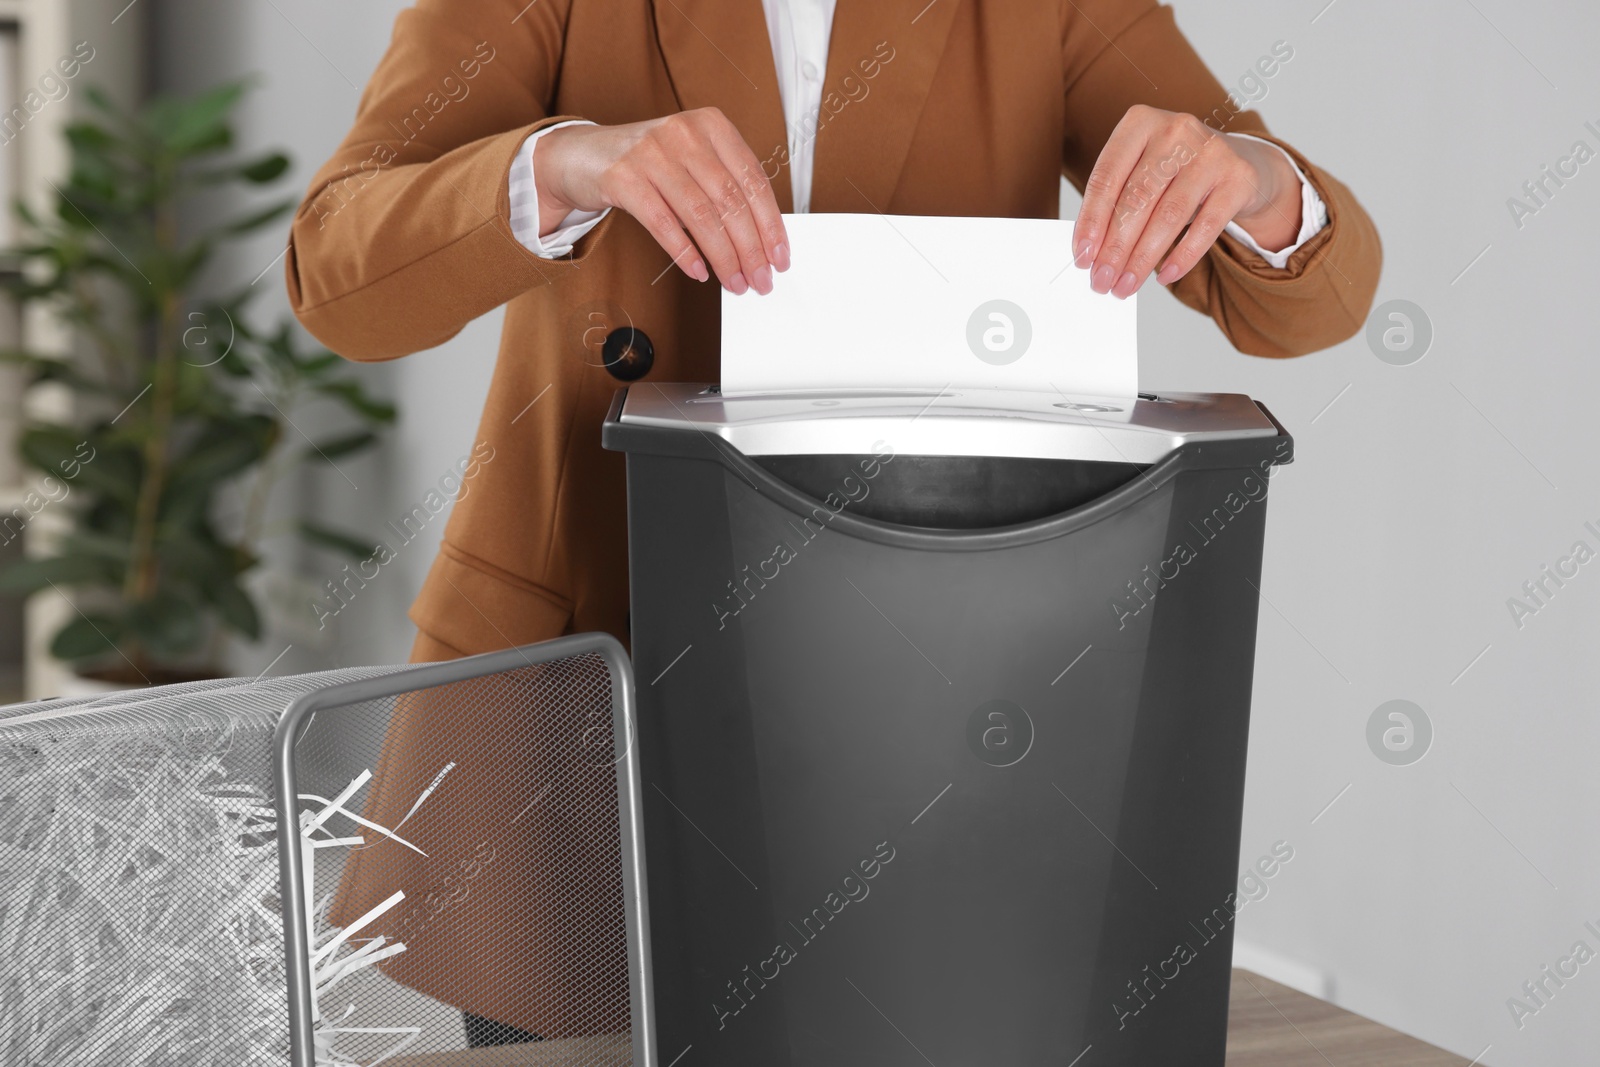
1421 499
1429 893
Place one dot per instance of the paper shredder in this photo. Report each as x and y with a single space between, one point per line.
942 720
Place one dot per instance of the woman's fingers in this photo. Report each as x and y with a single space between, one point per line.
640 199
1214 216
746 265
702 217
723 207
1213 184
757 189
1103 189
1173 175
1159 195
1164 189
690 180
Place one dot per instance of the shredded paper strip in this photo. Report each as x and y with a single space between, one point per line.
140 909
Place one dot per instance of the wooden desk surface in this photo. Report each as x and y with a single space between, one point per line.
1269 1026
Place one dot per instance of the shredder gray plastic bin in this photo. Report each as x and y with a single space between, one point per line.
943 707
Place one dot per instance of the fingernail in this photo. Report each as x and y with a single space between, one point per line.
1103 278
697 271
761 279
1081 256
737 285
1168 274
780 257
1126 285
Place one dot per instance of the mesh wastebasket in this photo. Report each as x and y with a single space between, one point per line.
461 851
943 713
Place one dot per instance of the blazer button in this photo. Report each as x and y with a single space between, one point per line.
628 353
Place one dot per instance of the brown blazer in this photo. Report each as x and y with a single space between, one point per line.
404 234
949 107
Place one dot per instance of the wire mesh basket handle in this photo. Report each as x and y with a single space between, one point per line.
297 719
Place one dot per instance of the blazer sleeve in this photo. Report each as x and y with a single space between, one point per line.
404 235
1119 53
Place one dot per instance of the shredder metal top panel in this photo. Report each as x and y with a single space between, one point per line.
952 422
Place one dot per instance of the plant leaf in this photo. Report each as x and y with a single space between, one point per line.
344 445
339 541
223 449
356 399
87 637
32 575
258 219
85 136
168 623
266 169
312 366
234 607
191 125
114 549
106 467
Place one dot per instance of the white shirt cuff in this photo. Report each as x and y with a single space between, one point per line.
1313 215
525 205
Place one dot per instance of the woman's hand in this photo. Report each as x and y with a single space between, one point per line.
689 178
1162 171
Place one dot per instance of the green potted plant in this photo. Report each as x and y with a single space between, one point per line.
179 406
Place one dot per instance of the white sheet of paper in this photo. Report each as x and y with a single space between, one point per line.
905 302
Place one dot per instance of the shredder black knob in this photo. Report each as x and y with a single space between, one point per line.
628 353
